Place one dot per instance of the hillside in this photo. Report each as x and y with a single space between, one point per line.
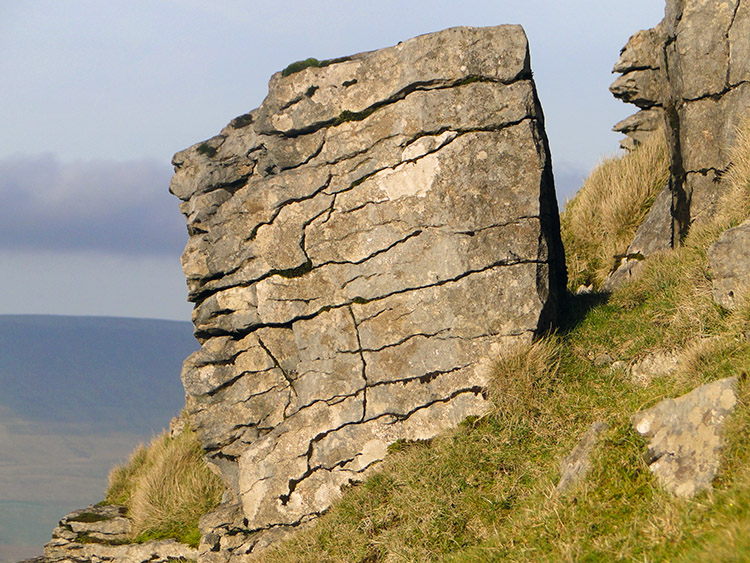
408 354
78 394
101 373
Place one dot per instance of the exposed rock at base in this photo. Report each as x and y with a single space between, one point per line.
362 247
729 258
99 534
685 436
692 70
575 467
653 366
652 236
655 233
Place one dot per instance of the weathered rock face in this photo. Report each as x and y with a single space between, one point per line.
685 436
361 247
692 73
730 265
653 235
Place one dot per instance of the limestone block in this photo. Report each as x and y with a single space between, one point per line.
730 265
101 533
362 247
709 126
643 50
645 120
653 235
653 366
700 59
641 87
739 46
695 63
685 436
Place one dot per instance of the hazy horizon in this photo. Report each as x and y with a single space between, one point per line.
79 393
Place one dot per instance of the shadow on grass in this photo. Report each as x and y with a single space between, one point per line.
576 307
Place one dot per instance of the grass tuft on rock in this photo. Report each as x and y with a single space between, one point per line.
166 487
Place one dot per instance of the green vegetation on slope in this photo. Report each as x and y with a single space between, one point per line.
600 221
486 491
166 487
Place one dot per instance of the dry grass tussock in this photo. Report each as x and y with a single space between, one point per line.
524 379
600 221
166 488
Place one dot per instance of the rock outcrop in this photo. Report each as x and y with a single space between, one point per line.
362 246
691 75
102 533
685 436
730 265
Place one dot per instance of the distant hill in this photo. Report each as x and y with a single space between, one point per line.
76 395
103 373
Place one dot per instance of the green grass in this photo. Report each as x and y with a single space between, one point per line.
486 491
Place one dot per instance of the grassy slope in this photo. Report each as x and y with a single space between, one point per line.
486 491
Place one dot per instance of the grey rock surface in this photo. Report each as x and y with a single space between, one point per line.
642 83
577 464
655 233
652 236
362 246
653 366
100 534
693 69
685 436
729 258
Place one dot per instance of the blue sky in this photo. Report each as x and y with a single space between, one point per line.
97 96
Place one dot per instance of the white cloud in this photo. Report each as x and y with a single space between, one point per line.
111 206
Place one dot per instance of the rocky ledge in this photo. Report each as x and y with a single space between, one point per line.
102 533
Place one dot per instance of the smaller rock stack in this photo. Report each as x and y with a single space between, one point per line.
643 83
690 74
102 533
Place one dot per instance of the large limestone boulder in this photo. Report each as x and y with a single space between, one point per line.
362 247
